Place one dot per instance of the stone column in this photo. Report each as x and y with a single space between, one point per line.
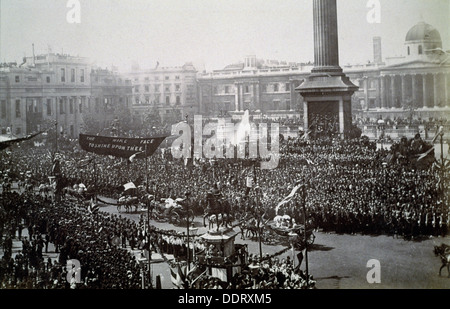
447 99
292 96
56 107
241 97
436 89
236 96
326 48
366 91
403 89
393 92
305 117
341 116
425 92
257 96
382 92
414 90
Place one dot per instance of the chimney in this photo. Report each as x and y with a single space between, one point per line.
377 58
34 58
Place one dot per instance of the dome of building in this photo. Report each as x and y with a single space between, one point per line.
423 32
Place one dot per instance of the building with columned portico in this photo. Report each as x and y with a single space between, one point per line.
413 85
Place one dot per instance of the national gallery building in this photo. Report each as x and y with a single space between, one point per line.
414 84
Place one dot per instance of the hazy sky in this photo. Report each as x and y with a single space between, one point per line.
209 33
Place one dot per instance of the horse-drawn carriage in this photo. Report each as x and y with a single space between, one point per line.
77 191
132 196
128 202
173 211
443 252
283 229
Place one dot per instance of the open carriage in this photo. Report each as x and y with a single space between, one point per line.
172 211
282 230
129 198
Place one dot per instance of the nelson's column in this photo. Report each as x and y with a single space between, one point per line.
327 91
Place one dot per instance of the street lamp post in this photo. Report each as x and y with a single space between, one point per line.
442 185
259 226
305 233
442 146
56 137
192 231
186 205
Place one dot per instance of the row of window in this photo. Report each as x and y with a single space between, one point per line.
18 131
277 87
71 107
157 100
72 75
177 77
63 76
274 105
265 88
157 88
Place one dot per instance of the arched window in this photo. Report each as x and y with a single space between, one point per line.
409 51
420 49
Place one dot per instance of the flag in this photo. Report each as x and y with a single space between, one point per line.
93 207
128 186
288 198
132 157
310 162
249 182
245 170
199 276
426 153
7 143
177 277
439 132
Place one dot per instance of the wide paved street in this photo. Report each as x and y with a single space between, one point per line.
335 261
340 261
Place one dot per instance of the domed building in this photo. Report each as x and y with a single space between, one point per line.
414 85
422 38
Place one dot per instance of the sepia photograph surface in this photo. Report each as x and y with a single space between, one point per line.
224 145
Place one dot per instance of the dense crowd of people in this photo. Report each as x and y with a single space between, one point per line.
91 239
351 187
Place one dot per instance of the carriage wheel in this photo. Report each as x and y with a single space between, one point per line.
311 239
191 216
173 218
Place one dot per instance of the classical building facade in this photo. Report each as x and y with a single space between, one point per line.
54 88
169 90
111 95
417 83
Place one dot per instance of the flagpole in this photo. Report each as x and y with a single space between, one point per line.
148 220
95 179
258 210
56 135
304 233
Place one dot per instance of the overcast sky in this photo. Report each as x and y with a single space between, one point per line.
209 33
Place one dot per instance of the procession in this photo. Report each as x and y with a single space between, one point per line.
155 156
344 187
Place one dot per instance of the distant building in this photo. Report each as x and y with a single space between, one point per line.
416 83
54 87
111 93
169 90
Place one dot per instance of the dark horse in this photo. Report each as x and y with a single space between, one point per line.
443 251
218 210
